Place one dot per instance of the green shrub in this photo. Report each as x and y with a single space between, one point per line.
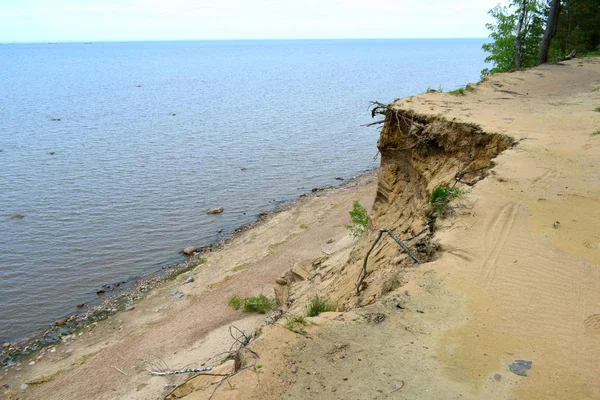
319 305
596 133
441 198
260 304
359 218
597 109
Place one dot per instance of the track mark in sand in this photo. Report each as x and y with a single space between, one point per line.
592 322
545 179
497 232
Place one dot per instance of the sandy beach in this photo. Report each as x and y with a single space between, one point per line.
511 273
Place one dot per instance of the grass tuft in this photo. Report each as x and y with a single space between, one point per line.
441 198
235 302
260 304
597 133
296 323
458 92
319 305
597 109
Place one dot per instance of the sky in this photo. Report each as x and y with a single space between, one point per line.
129 20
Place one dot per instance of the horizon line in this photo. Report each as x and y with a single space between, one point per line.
223 40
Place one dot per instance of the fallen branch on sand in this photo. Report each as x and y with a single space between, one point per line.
184 371
363 272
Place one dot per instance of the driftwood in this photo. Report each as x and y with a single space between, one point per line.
363 273
568 57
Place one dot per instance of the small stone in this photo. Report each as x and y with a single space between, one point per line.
40 358
263 214
61 321
32 363
80 305
174 292
217 210
339 178
17 217
53 350
220 231
281 281
497 377
190 279
52 153
22 387
101 291
188 251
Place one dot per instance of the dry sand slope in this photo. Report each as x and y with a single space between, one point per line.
517 278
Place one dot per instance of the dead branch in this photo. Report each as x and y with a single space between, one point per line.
184 371
363 273
242 343
121 371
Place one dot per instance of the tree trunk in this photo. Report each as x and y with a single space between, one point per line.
550 31
519 33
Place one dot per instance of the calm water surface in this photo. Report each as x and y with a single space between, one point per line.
151 135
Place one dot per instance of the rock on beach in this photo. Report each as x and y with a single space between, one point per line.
217 210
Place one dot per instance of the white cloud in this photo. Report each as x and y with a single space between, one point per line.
80 20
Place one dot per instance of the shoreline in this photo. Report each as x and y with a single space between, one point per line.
11 352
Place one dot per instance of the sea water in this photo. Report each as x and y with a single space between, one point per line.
113 152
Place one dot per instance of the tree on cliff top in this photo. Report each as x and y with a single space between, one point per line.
535 31
523 19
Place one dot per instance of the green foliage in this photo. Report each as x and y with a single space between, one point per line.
359 218
235 302
296 323
458 92
578 28
597 133
258 304
597 109
504 35
462 91
319 305
441 198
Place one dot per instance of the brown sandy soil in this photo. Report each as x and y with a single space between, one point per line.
517 276
109 361
510 283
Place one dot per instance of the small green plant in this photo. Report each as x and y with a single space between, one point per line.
296 323
359 218
319 305
295 320
235 302
597 109
260 304
595 133
458 92
441 198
